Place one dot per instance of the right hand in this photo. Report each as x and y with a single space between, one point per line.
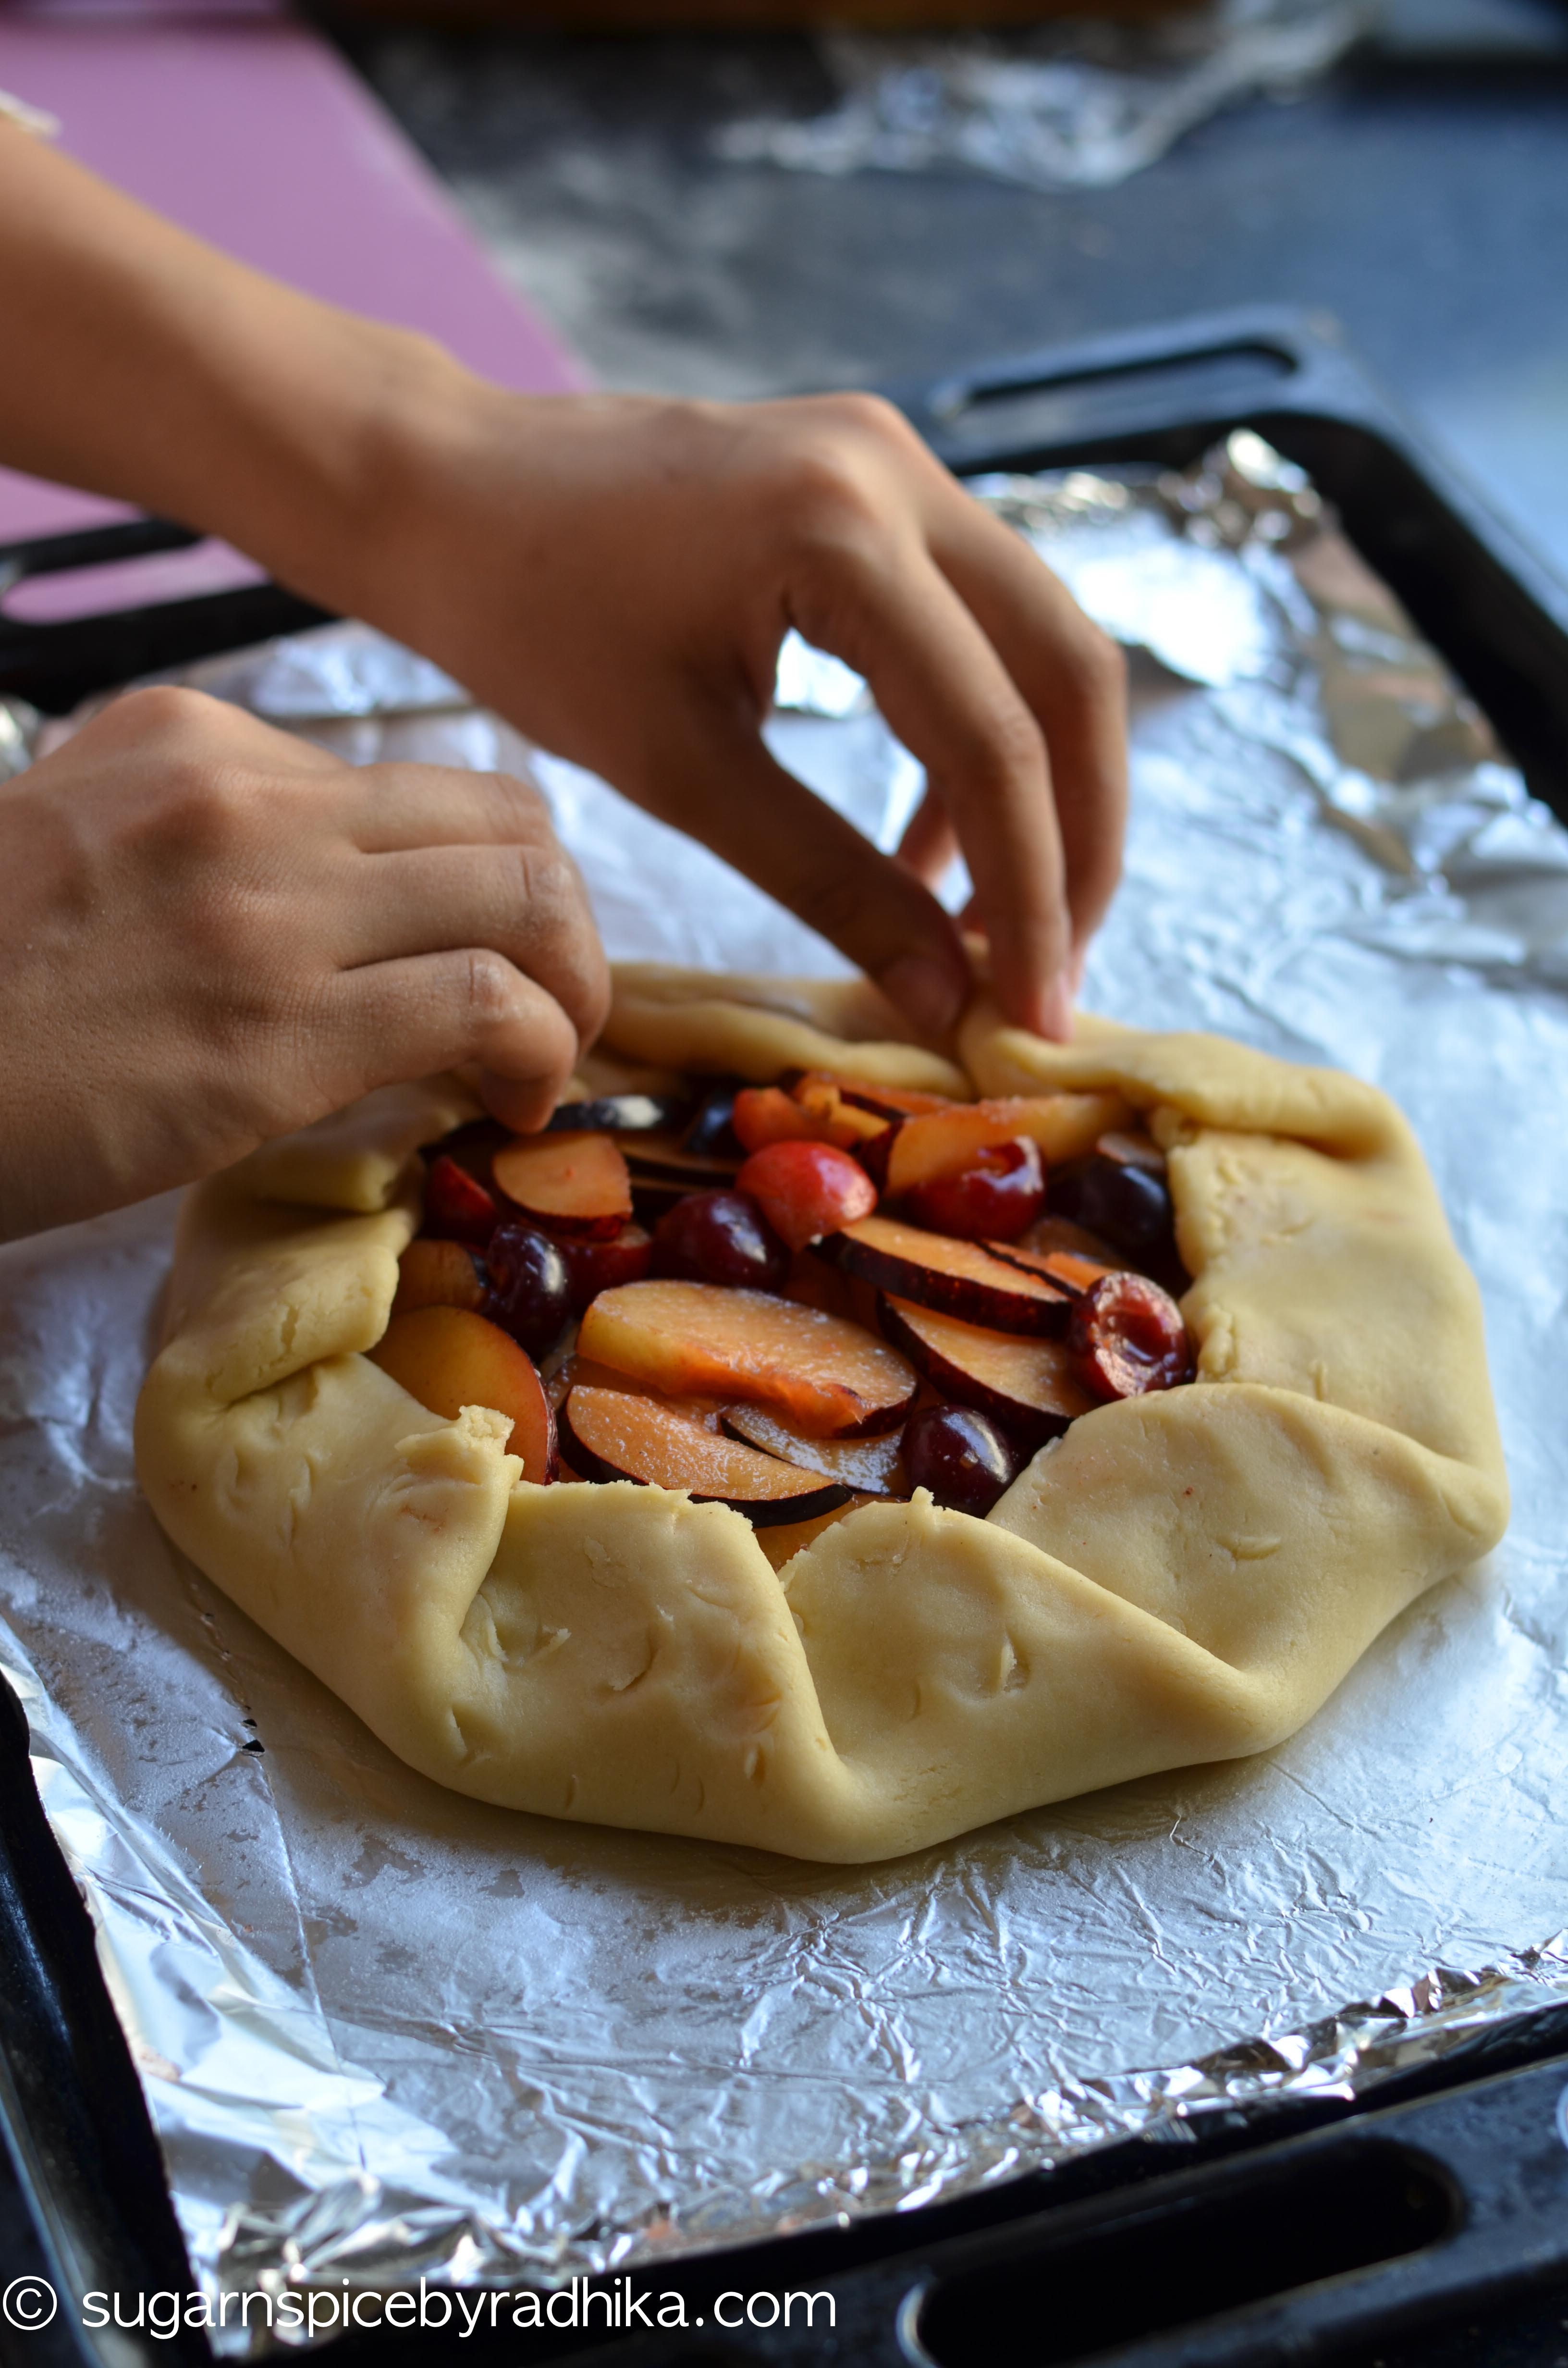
213 933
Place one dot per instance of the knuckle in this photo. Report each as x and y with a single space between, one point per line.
869 416
523 803
164 712
1095 664
487 986
1008 747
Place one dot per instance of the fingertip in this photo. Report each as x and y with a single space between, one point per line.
524 1104
930 992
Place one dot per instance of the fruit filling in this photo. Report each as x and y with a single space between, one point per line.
792 1298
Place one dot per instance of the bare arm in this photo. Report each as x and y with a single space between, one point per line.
613 574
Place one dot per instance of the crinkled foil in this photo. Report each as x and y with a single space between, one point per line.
1070 104
383 2029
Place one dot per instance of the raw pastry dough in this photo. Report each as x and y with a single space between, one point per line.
1181 1577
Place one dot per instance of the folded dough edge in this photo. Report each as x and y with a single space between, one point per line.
1181 1577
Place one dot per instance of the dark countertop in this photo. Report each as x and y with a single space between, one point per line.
1421 197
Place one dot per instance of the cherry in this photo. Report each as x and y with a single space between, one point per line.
530 1286
721 1236
807 1189
964 1457
457 1206
995 1199
593 1266
1126 1204
1128 1336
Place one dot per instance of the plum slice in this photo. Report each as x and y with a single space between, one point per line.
871 1467
1071 1270
666 1159
1128 1336
617 1435
1031 1386
958 1277
439 1274
821 1374
568 1183
448 1358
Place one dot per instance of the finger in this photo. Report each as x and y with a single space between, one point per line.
1070 673
929 843
715 779
389 1021
384 808
889 612
165 719
527 903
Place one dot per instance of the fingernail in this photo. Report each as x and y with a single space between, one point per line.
924 989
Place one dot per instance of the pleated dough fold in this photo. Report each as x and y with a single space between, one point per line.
1181 1577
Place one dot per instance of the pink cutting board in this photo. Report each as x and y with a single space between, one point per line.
246 128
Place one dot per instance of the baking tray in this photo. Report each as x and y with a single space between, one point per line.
1308 2229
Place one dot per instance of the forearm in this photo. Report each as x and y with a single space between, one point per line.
159 372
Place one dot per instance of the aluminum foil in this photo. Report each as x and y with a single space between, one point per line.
385 2031
1065 105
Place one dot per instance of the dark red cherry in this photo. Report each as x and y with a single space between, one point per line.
1128 1336
530 1286
721 1236
995 1199
1125 1203
593 1266
964 1457
457 1206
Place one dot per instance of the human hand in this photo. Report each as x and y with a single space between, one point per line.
613 574
616 574
215 933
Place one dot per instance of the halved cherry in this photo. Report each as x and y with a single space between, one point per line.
824 1375
1128 1336
1031 1386
959 1277
614 1435
448 1358
439 1274
997 1197
569 1183
807 1189
457 1206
